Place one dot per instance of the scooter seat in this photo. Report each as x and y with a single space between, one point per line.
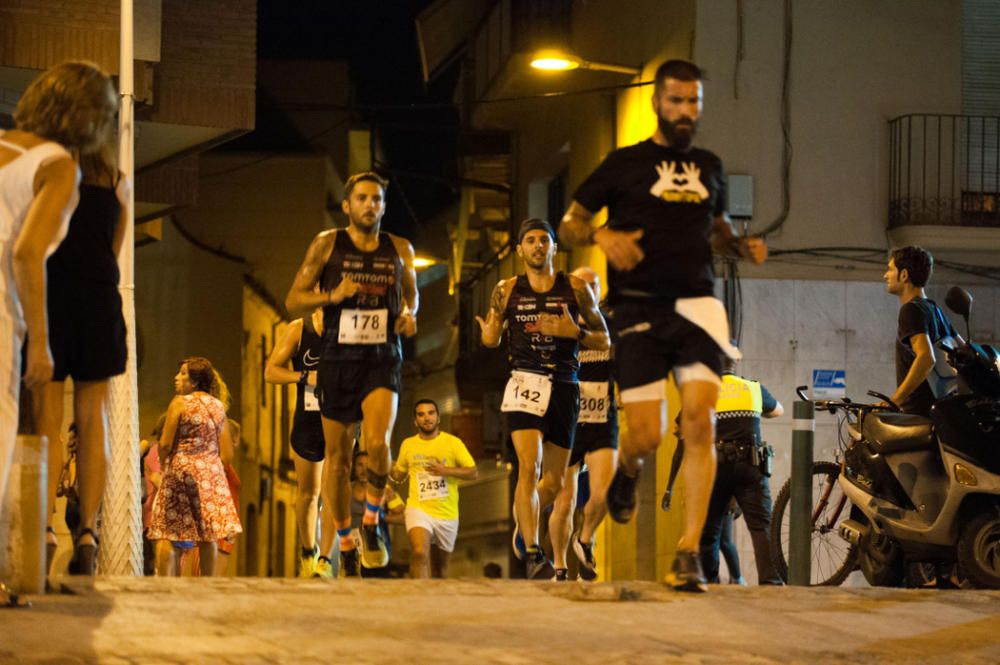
898 432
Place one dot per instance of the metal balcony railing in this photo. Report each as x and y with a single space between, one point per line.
944 170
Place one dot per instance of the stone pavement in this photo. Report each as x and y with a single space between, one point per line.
247 620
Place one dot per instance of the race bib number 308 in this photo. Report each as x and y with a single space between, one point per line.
527 392
594 402
363 326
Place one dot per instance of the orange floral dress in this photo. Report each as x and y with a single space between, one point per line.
194 502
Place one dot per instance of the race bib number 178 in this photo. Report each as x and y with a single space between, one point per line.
363 326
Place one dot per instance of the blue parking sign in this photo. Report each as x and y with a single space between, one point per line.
828 383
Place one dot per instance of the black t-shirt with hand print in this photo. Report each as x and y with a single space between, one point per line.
673 197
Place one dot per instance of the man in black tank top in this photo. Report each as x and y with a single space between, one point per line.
368 292
539 310
302 343
666 203
596 444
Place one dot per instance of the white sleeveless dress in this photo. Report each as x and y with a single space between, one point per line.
17 183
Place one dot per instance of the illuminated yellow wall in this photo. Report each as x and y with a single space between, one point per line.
616 543
266 413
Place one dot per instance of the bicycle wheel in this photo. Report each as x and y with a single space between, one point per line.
833 558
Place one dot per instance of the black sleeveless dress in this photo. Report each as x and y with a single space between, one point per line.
86 325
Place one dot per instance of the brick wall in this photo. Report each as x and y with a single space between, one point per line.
35 34
208 52
207 73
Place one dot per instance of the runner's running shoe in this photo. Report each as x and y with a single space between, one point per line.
350 564
374 553
585 553
685 574
621 496
322 568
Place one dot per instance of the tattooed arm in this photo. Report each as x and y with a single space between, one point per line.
492 327
596 336
304 297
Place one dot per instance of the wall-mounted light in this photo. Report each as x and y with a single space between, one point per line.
558 60
423 262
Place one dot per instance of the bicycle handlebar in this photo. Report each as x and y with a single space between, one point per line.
846 403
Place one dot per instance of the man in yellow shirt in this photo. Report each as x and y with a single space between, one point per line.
435 461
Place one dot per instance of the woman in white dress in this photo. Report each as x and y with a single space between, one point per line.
67 111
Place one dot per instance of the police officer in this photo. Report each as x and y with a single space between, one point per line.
743 469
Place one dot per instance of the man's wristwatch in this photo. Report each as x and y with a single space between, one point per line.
304 377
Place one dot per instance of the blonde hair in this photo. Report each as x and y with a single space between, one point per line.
220 390
72 103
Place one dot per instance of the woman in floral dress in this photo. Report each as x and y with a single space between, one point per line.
193 502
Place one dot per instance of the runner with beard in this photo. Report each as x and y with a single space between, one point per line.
666 215
539 310
368 292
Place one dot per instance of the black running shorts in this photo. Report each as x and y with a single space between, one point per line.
650 339
307 436
343 384
558 425
591 437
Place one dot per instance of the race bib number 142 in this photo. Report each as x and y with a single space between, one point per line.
527 392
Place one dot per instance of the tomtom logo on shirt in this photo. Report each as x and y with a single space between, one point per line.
683 187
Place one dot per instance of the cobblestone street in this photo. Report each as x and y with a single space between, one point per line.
243 620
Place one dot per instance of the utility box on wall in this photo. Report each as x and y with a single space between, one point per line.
740 205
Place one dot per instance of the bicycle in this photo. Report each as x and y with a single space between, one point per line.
832 557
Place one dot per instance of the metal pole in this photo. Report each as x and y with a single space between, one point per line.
121 546
800 527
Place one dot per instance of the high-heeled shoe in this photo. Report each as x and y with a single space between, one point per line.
51 545
11 600
85 554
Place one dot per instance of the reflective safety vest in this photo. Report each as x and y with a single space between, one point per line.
739 398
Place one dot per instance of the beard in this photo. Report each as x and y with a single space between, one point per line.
535 262
679 134
427 430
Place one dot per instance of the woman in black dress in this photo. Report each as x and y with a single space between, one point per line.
87 336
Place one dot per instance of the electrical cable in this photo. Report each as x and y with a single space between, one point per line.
271 156
786 128
449 105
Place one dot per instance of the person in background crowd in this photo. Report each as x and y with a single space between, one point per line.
194 502
69 109
87 337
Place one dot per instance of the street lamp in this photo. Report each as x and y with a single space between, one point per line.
558 60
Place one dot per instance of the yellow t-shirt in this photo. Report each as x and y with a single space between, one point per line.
435 495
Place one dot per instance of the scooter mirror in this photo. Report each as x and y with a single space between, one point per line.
959 301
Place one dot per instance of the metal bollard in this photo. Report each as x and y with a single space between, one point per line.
800 505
